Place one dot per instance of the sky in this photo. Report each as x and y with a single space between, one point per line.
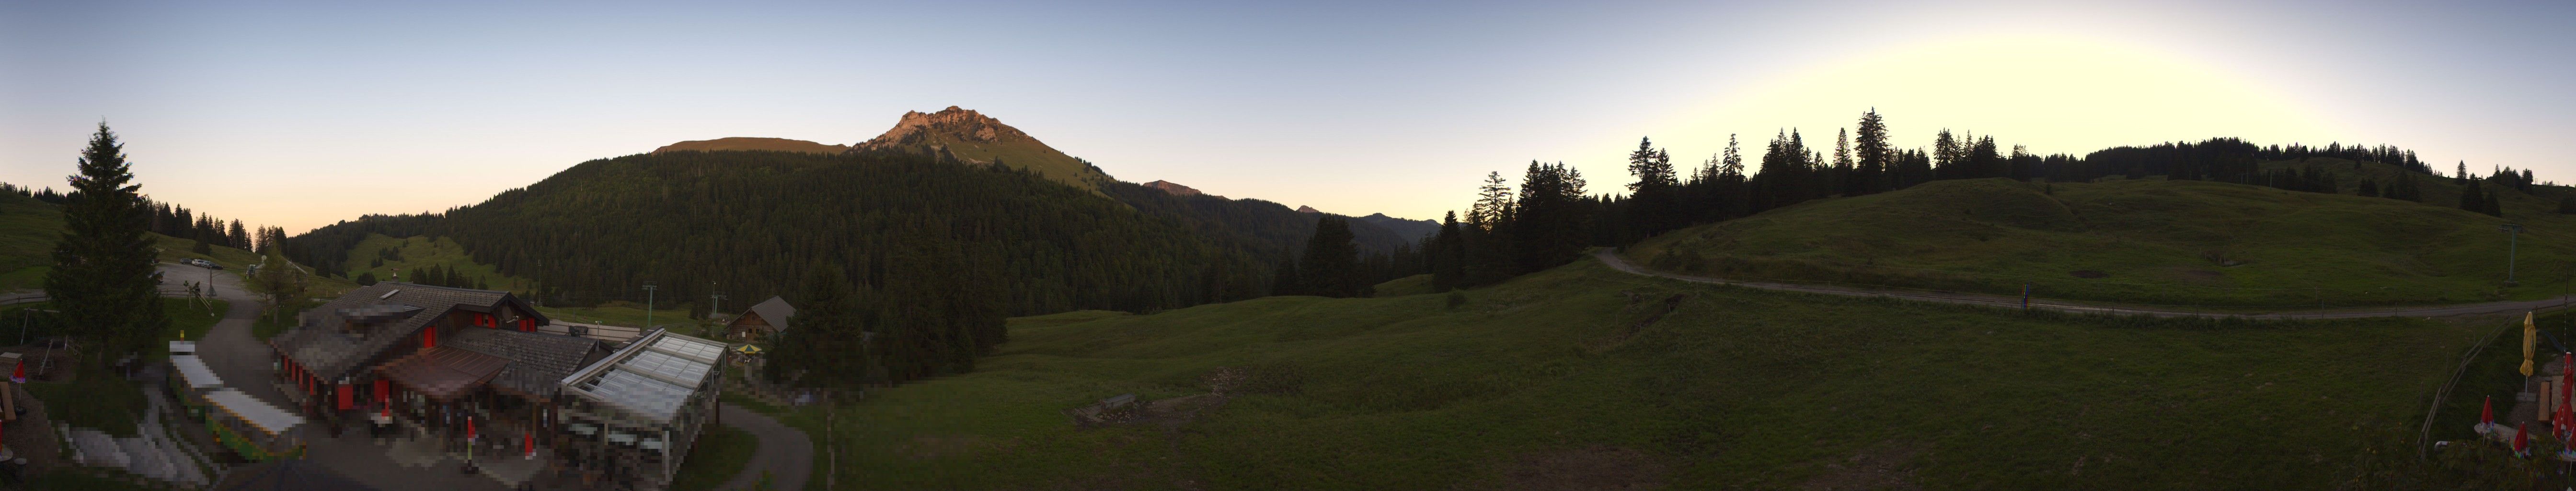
303 114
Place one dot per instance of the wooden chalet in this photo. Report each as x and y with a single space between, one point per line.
764 320
428 359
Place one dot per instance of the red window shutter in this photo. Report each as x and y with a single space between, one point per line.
383 391
429 338
345 392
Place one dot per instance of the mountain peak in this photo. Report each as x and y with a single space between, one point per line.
963 124
978 139
1307 209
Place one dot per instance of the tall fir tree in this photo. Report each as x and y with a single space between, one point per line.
1331 264
1448 251
1653 203
825 348
1874 157
1493 203
2472 197
101 279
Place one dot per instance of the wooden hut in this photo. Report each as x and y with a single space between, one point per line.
764 320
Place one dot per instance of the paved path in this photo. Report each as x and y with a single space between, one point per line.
785 453
1607 256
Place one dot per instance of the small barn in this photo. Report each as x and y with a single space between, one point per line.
764 320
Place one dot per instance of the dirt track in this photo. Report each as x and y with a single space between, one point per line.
1609 257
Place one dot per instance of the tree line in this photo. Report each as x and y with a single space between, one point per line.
1550 219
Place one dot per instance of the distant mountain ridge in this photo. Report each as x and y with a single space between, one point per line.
753 143
1414 229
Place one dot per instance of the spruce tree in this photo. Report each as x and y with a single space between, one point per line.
1874 157
101 279
2471 198
1448 255
1331 265
1653 203
821 347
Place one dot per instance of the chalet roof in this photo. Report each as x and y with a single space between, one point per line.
444 372
322 346
775 310
537 360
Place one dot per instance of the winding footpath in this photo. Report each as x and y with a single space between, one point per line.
785 454
1611 258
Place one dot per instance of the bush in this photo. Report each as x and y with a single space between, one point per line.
367 278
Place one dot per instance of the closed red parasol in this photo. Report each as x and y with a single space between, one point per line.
2487 416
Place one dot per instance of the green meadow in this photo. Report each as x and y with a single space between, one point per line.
1580 378
2187 243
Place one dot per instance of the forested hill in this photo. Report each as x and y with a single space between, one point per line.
1266 229
753 223
1415 229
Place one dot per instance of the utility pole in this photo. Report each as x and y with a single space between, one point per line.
715 302
2512 248
648 305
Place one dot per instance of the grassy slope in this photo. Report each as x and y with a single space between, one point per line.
2160 241
174 249
718 455
1031 155
424 252
28 229
1409 285
1539 377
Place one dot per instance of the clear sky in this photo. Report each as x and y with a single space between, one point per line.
301 114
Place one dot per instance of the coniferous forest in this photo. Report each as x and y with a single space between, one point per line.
752 223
